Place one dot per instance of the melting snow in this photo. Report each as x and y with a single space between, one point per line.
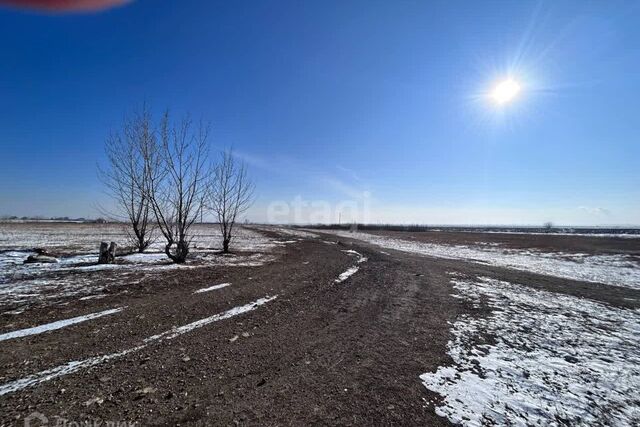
75 274
285 242
56 325
59 371
170 334
552 360
146 258
296 232
92 297
361 258
346 274
77 365
616 270
351 270
212 288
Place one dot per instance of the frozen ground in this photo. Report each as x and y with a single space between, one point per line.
76 365
56 325
615 270
615 235
539 358
295 232
77 274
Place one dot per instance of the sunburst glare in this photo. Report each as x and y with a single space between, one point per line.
505 91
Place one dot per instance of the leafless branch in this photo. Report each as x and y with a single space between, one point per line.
230 194
126 176
176 183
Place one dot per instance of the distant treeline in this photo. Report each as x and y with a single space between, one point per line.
56 218
477 229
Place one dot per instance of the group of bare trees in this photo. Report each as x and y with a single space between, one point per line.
162 177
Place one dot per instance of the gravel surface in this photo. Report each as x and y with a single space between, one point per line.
291 340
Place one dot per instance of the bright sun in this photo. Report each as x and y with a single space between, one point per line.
505 91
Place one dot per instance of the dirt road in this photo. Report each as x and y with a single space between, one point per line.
295 341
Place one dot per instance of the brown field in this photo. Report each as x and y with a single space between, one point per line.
320 352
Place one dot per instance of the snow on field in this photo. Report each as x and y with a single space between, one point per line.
212 288
71 238
47 283
77 272
296 232
145 258
346 274
24 293
231 260
608 235
68 238
76 365
286 242
57 325
539 358
615 270
351 270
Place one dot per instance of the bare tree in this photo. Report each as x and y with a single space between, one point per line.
126 177
230 195
176 183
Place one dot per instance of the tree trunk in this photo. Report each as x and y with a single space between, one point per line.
142 243
104 252
180 256
107 253
225 245
112 252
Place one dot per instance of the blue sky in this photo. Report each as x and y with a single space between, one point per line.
381 103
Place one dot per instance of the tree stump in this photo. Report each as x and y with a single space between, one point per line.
107 253
112 251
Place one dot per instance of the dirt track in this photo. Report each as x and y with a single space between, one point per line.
320 353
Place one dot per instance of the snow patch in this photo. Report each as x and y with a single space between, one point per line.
92 297
57 325
614 270
346 274
59 371
284 242
351 270
146 258
361 258
175 332
292 232
77 365
539 358
212 288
